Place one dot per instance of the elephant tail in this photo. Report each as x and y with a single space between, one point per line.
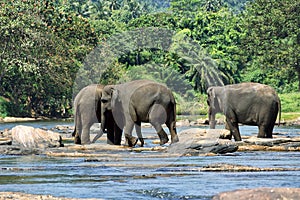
173 107
279 111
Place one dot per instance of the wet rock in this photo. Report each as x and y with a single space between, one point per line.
24 196
5 141
267 141
225 167
184 122
282 143
200 122
260 194
29 137
197 141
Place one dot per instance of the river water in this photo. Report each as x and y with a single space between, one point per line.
145 175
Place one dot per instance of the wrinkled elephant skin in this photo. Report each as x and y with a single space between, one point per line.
140 101
87 111
245 103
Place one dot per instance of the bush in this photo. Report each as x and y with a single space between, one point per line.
195 106
290 102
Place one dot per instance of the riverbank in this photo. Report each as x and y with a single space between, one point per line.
288 119
242 194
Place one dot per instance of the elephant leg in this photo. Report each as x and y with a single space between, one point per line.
172 128
118 134
270 126
226 136
139 132
234 129
130 140
212 120
261 131
265 131
269 133
76 135
110 133
160 132
77 139
78 129
85 136
157 117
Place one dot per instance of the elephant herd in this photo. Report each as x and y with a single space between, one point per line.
122 107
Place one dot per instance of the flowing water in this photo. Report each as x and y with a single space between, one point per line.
145 175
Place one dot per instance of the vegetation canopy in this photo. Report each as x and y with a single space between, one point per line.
50 49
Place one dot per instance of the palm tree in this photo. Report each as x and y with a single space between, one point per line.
196 63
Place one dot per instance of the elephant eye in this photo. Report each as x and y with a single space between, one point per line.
104 100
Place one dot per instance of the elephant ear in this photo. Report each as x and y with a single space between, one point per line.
107 89
114 97
211 97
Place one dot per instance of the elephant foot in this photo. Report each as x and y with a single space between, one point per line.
109 142
77 139
175 139
142 142
86 143
131 141
163 137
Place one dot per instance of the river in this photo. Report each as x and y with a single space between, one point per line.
132 175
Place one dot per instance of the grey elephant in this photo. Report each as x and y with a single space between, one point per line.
245 103
140 101
87 111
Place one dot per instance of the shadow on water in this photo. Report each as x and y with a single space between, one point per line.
144 176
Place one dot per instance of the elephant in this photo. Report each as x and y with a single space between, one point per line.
87 107
245 103
140 101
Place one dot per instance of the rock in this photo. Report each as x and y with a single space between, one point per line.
267 141
202 121
197 141
282 143
225 167
24 196
5 141
30 137
184 122
260 194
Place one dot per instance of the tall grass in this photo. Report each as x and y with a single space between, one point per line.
290 102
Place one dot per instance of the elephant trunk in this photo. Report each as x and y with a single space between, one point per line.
101 129
212 119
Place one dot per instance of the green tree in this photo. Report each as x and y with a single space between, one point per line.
42 48
197 65
272 43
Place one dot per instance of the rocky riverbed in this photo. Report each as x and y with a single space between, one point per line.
194 142
244 194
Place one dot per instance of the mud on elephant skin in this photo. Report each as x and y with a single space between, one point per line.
246 103
140 101
87 111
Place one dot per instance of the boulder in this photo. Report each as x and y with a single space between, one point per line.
282 143
197 141
30 137
260 194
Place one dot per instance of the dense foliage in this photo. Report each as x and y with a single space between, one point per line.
48 48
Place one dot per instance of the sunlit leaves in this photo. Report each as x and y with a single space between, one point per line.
272 41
